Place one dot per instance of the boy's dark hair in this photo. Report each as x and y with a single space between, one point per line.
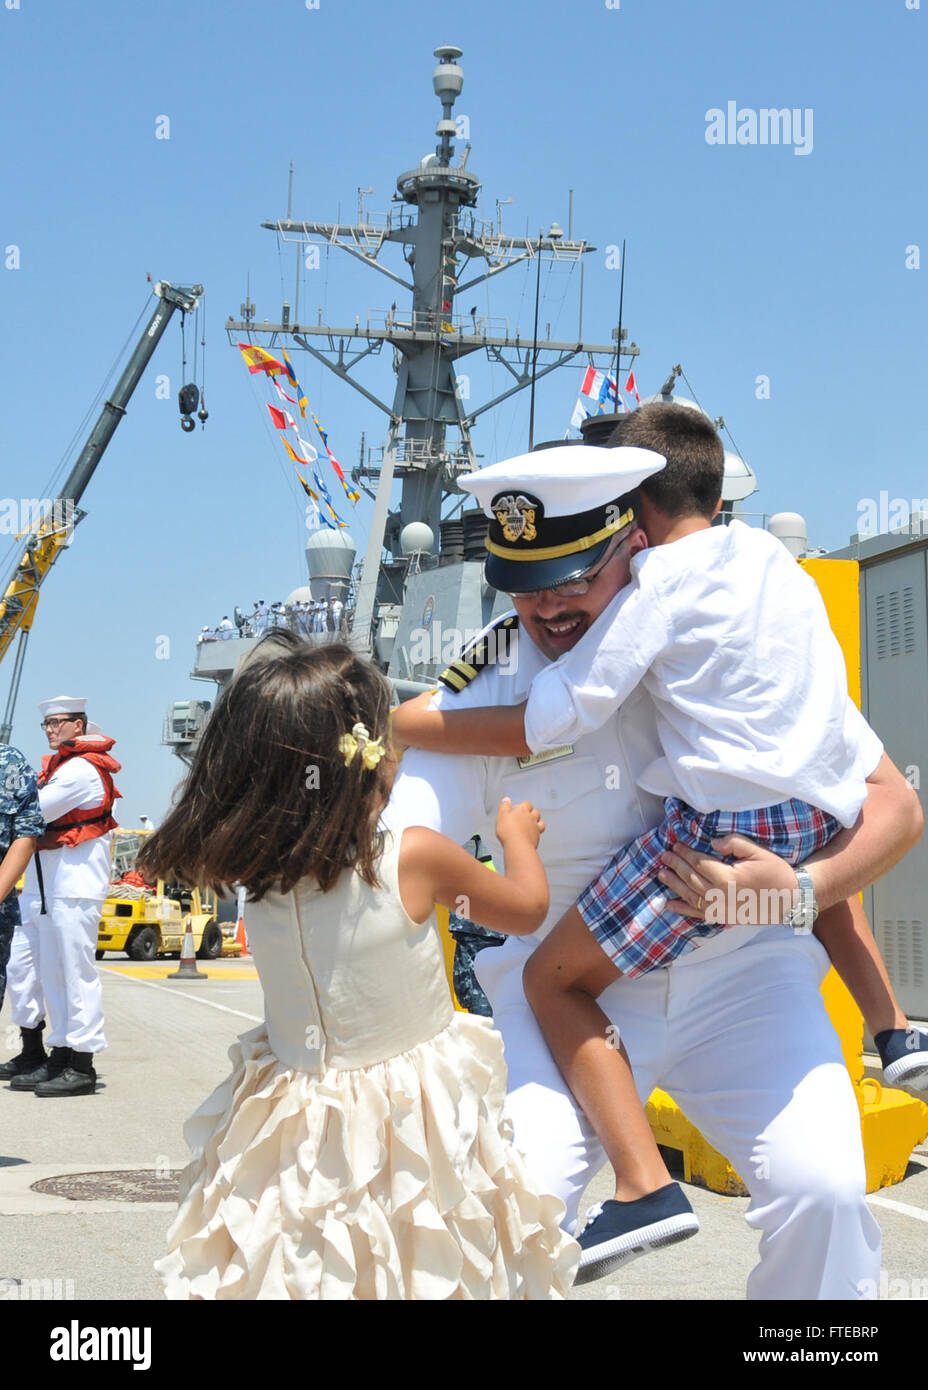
269 799
691 483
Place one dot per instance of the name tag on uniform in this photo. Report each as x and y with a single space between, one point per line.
549 756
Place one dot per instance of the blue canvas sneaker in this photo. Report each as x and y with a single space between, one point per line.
904 1054
617 1232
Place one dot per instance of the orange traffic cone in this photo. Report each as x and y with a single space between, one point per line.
241 938
188 960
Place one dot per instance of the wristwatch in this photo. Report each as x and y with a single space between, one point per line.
802 915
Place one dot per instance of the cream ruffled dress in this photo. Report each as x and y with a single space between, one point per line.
358 1149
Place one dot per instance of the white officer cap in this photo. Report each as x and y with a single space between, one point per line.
63 704
554 512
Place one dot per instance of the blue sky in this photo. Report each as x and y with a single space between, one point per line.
743 261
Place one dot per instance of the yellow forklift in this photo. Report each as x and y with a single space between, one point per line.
147 921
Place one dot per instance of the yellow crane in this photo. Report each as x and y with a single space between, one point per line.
52 532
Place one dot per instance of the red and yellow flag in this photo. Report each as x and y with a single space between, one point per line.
260 360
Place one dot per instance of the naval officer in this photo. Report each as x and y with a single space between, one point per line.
52 968
736 1031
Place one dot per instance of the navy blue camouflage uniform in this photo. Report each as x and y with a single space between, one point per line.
20 818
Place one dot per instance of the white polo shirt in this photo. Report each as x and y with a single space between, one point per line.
731 638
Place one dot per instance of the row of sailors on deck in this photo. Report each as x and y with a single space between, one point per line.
315 616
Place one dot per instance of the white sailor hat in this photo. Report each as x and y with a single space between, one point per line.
63 704
554 512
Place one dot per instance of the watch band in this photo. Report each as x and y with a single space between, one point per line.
802 917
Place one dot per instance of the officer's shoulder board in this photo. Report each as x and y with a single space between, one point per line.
485 650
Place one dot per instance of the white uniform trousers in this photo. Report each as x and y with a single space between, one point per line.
53 974
745 1046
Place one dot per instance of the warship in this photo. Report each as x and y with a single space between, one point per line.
418 592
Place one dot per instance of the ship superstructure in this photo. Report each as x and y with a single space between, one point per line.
448 251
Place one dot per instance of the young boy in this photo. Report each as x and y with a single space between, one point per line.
733 643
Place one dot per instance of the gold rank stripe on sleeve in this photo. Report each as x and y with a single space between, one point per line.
484 651
458 674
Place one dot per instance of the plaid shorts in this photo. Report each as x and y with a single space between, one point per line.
624 907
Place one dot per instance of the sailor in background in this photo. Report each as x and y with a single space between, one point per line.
52 966
260 617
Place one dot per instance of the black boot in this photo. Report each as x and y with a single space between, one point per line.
32 1055
58 1059
77 1079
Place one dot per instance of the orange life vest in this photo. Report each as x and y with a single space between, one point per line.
85 824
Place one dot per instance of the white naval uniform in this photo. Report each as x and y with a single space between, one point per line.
52 970
736 1030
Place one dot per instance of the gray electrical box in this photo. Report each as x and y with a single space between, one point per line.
894 698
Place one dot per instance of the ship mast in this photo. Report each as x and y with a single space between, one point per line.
439 237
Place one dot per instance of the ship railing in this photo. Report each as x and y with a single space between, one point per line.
447 174
381 220
498 248
368 238
421 451
428 321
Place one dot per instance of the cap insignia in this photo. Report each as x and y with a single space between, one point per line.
516 515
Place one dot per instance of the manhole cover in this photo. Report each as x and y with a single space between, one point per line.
129 1185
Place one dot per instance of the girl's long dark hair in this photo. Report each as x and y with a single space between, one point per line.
269 799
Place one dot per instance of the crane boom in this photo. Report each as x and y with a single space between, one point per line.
52 532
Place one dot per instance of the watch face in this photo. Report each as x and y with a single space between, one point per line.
803 916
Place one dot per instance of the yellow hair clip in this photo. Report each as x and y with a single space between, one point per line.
372 750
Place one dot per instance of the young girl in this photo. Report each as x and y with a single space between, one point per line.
357 1151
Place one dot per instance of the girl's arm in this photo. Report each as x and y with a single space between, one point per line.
434 870
489 731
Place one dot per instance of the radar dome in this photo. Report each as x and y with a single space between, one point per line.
329 559
417 536
301 595
673 400
790 528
